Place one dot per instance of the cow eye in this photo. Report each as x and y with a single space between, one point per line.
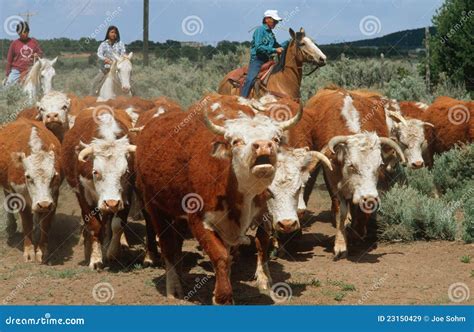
270 193
237 142
95 173
276 140
28 177
65 107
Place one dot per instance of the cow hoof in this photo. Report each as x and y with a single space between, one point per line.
29 254
340 255
151 259
96 264
264 284
222 302
174 290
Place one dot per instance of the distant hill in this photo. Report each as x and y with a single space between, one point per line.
397 44
408 39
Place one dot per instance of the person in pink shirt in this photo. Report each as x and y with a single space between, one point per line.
21 54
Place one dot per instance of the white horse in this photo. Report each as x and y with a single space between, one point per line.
117 81
39 77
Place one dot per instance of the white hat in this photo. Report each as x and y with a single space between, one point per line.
273 14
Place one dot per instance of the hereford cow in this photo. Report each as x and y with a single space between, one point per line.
353 129
98 165
53 110
30 175
285 202
453 122
213 174
409 132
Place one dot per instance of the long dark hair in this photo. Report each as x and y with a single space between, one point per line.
110 28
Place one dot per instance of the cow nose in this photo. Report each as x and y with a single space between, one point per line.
126 88
52 117
112 204
263 147
45 205
287 226
417 164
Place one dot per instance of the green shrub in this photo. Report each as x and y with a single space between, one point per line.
407 215
420 179
452 169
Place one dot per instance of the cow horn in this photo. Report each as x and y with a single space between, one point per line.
393 145
335 141
216 129
429 124
397 116
293 121
84 153
322 157
132 148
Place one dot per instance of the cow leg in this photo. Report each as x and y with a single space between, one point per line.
92 234
335 206
308 188
171 251
11 220
151 255
219 256
45 226
27 224
118 239
340 243
262 242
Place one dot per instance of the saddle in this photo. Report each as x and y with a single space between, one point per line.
237 76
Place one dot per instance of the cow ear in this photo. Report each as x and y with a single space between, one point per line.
292 34
17 158
220 150
340 152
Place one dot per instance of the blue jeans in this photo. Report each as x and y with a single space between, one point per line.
13 77
252 72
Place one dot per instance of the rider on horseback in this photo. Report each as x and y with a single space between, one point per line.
110 46
21 54
263 46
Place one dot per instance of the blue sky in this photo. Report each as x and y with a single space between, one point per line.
214 20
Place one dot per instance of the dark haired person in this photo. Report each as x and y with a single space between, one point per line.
110 46
21 54
263 46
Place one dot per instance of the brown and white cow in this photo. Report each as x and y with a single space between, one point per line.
213 174
98 165
453 122
30 174
52 110
352 130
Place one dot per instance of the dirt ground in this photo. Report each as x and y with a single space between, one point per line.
387 273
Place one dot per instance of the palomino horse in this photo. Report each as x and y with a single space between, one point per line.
287 81
117 81
40 76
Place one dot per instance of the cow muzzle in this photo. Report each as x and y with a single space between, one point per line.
43 206
111 206
265 159
417 164
287 226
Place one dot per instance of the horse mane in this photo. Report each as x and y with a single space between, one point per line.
281 64
34 74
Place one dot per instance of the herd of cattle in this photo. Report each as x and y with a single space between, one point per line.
222 166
